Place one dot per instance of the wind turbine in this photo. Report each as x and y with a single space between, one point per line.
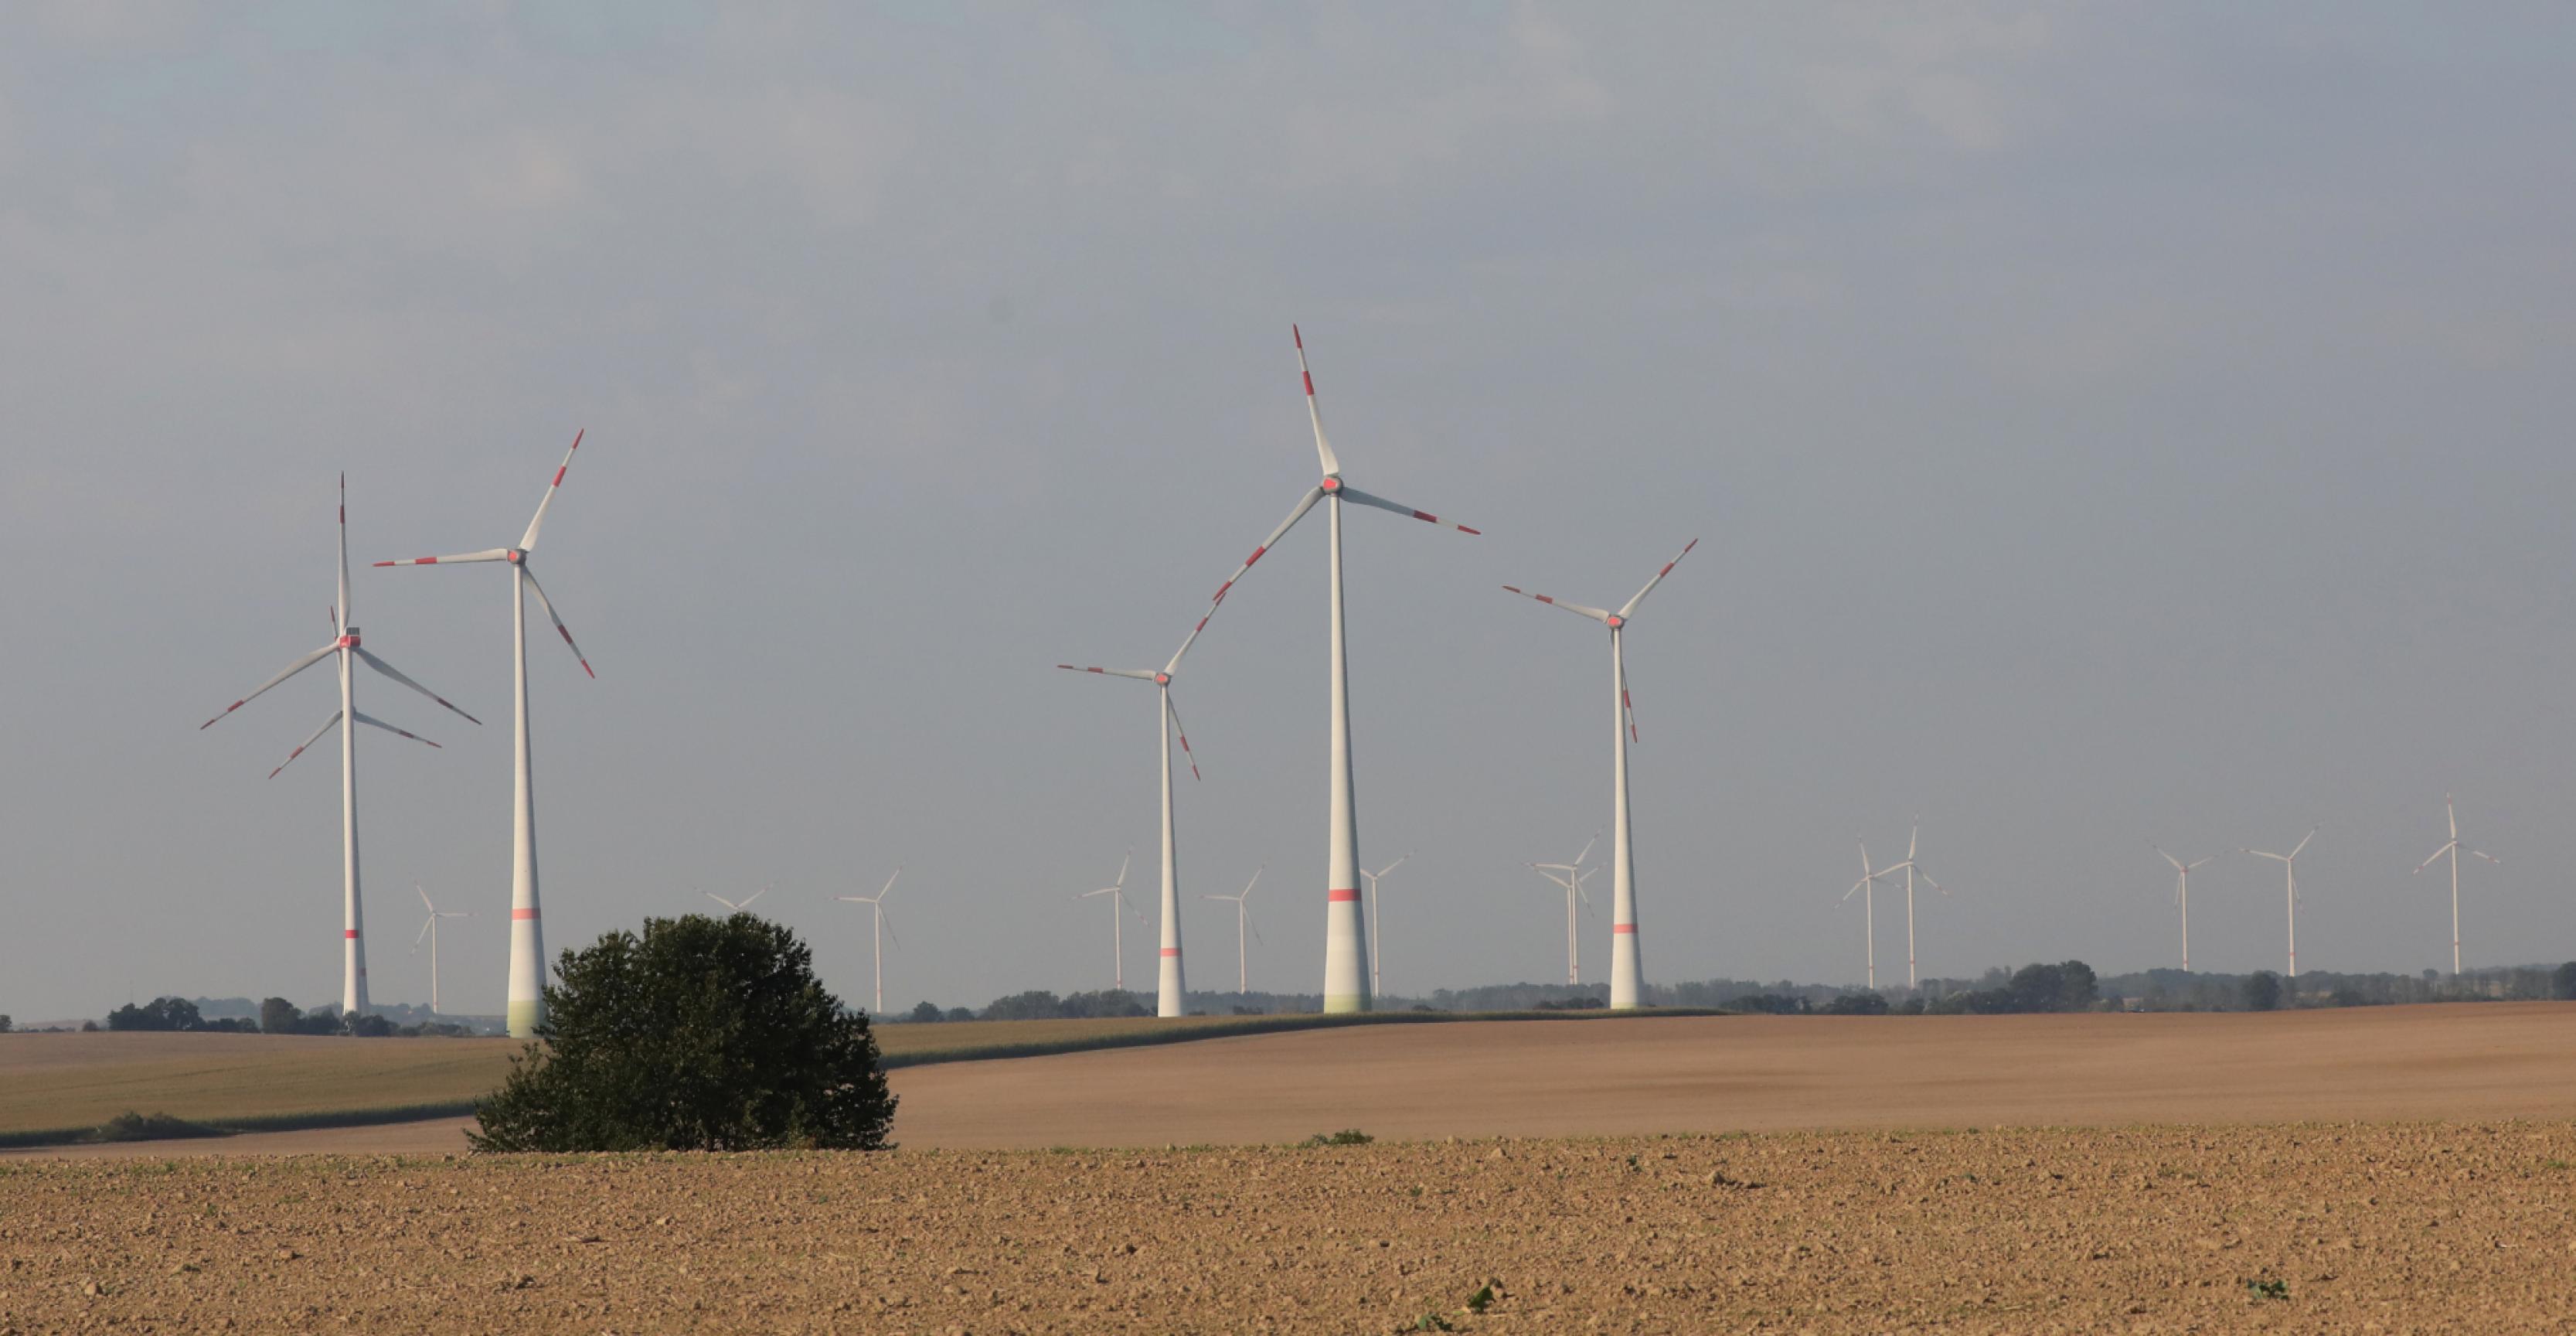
1909 867
1627 958
1242 921
2454 849
345 643
1171 993
1377 940
429 929
883 929
1346 985
736 906
2182 897
2290 866
1569 876
1117 893
1867 886
527 935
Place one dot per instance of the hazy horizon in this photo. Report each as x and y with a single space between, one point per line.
2103 429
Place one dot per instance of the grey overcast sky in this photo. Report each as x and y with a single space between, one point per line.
2105 425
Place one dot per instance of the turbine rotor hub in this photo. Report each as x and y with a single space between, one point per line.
1616 621
517 557
1332 483
1162 679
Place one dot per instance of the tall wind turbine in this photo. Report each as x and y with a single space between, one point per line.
876 902
346 644
1570 876
736 906
1909 867
1117 893
1627 962
1377 939
2290 866
1867 887
1170 995
1242 921
527 936
2454 849
1346 985
429 929
2182 897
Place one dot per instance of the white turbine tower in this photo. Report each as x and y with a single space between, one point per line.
1346 985
1867 887
2182 897
1377 939
1242 922
1627 962
1171 993
1117 893
346 644
527 935
2454 849
736 906
1909 867
1570 876
882 929
429 929
2290 867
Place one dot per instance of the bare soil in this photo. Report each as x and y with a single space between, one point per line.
2461 1227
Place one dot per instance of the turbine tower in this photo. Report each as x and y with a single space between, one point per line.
346 644
527 934
429 929
1377 939
1570 876
1909 867
2290 867
2182 897
1867 886
1117 893
1627 964
736 906
2454 849
1242 921
1171 993
1346 985
882 929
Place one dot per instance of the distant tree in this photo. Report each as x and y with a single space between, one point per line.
2077 987
1108 1002
5 1023
1770 1004
2262 991
371 1026
279 1016
1034 1005
89 1027
960 1014
161 1013
926 1012
1856 1004
703 1034
2037 987
2562 984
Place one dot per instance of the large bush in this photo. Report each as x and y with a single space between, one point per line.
703 1034
2562 982
2262 991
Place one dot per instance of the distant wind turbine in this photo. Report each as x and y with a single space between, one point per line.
2454 849
1867 887
429 929
1909 867
883 928
2182 897
2290 866
1242 921
1377 941
1569 876
1117 893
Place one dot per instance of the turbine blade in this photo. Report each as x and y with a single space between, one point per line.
1323 448
1631 605
1368 499
560 629
424 898
423 934
746 900
1256 880
487 554
529 543
1184 731
1304 504
1108 672
1578 609
888 920
390 671
1121 883
2178 863
889 886
2303 840
291 670
2479 853
1627 705
341 612
373 722
299 747
2201 861
2436 854
1393 866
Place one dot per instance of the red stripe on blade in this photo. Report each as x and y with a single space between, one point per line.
1310 383
1464 529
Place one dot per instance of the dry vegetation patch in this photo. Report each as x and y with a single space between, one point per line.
2406 1227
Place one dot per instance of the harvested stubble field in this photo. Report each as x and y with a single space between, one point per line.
2308 1228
